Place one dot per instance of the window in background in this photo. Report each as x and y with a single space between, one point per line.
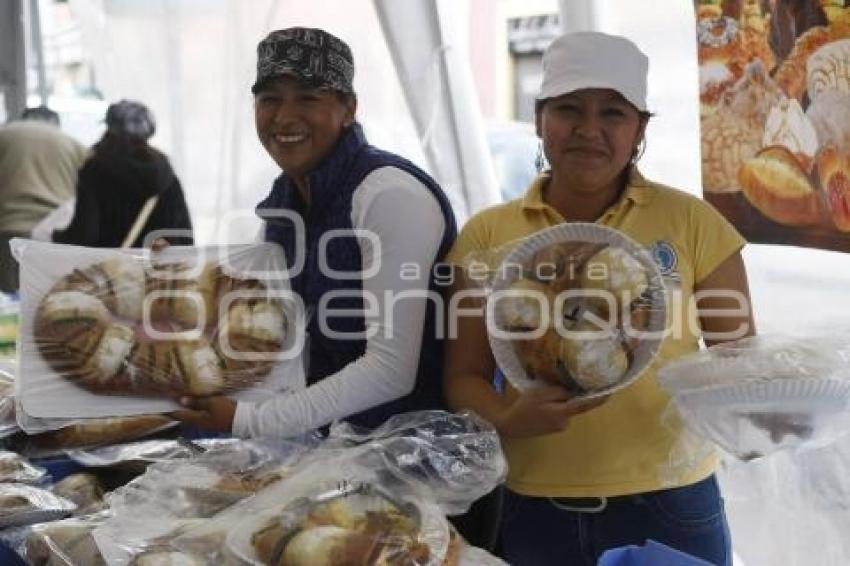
71 84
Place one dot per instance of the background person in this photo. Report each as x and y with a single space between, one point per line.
121 175
587 477
38 172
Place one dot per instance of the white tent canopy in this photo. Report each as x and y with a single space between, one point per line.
193 61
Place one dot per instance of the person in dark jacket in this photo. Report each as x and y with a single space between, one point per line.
116 181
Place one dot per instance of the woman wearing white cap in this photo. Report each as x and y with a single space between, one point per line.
587 477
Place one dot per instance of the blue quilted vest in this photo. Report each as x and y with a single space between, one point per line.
332 186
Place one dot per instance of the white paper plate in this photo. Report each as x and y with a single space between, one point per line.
503 350
810 412
758 360
818 397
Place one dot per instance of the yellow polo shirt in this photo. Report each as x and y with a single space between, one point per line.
624 446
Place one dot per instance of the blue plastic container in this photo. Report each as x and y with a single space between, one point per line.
59 467
650 554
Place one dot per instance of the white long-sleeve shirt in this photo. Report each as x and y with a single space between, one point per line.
407 220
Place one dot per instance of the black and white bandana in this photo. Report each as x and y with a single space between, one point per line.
311 55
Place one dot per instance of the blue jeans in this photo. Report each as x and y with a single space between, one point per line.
538 532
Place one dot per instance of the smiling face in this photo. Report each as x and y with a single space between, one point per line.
299 125
589 137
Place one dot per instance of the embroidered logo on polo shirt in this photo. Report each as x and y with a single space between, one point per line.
666 258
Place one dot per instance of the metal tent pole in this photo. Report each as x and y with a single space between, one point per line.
38 49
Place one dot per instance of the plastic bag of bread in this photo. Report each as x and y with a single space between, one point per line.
16 468
203 485
762 394
338 509
22 504
84 490
68 542
145 452
98 432
379 509
8 424
579 305
458 456
165 515
149 541
142 327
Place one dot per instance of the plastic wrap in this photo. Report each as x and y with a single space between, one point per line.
91 433
457 457
579 305
146 451
84 490
203 485
22 504
15 468
8 424
765 393
197 321
68 542
382 493
148 541
339 507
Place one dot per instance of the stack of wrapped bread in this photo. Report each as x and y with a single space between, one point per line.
116 327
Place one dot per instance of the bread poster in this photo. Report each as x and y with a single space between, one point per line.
775 116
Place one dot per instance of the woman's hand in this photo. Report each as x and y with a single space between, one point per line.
210 413
543 410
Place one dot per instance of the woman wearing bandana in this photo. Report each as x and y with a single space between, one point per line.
334 187
121 175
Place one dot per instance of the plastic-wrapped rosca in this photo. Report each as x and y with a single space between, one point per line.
87 327
144 452
761 394
15 468
84 490
356 497
203 485
137 324
336 510
98 432
8 424
22 504
579 305
67 542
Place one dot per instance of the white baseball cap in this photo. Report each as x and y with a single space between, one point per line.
591 59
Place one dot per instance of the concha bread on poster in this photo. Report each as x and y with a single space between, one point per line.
124 326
